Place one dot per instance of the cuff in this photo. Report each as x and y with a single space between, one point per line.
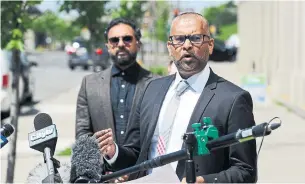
115 156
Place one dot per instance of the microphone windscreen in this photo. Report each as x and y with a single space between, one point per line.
39 173
8 129
42 120
86 159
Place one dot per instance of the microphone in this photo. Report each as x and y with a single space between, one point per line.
260 130
6 131
44 139
240 136
86 161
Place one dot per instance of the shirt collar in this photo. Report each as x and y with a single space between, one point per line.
131 71
197 81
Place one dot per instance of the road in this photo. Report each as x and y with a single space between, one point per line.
56 88
52 76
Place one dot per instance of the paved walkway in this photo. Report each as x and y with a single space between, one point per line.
282 155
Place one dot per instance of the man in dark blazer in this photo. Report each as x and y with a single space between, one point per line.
206 95
107 99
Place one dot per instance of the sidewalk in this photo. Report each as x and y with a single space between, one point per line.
282 154
62 109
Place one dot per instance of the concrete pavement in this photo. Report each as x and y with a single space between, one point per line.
61 108
282 154
280 160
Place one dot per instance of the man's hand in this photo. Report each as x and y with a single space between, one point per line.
199 179
105 142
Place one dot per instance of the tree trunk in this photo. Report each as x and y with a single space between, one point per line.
14 116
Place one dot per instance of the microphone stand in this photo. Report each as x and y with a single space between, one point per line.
52 166
200 142
196 142
189 140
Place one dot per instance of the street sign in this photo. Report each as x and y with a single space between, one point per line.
256 85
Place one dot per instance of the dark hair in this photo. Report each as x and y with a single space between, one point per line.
117 21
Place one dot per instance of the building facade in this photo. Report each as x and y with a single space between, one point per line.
272 38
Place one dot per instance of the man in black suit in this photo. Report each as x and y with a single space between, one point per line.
168 110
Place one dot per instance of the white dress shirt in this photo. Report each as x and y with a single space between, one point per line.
188 101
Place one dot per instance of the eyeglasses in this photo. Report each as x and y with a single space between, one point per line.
196 39
115 40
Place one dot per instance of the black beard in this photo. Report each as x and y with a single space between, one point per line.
124 61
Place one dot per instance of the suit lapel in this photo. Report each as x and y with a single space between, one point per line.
106 114
142 79
157 101
204 100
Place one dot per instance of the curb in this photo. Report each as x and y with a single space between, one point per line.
293 108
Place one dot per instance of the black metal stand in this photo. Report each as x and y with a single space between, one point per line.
190 142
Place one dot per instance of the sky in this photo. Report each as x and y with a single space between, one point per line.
193 5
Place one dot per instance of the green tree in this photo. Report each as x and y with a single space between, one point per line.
221 15
90 16
16 14
55 27
16 20
162 21
133 10
224 17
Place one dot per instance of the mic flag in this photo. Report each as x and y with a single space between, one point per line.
86 161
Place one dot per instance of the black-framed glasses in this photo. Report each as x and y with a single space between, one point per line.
195 39
126 39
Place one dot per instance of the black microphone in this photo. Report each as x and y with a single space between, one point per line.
6 131
44 139
240 136
86 161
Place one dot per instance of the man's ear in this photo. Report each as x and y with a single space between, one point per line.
168 45
139 44
211 46
107 45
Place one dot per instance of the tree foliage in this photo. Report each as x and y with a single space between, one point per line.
55 27
16 15
224 17
91 15
221 15
162 26
133 10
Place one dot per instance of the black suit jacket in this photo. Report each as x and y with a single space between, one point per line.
94 109
230 109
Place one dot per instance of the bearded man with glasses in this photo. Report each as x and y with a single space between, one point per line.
170 105
107 100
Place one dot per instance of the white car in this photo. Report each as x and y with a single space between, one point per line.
26 83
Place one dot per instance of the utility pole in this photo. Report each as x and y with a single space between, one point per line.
15 107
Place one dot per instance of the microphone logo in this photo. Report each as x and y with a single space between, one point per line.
41 134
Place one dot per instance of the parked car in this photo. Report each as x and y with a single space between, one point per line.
222 53
79 55
26 81
101 58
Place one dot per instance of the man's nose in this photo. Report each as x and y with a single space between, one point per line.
187 45
121 43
